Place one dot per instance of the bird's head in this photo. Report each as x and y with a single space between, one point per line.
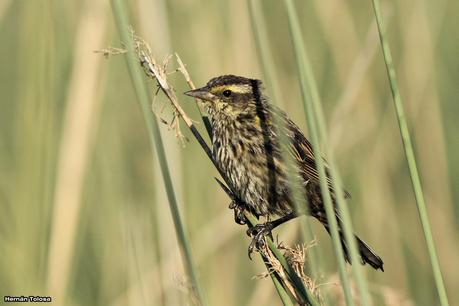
229 95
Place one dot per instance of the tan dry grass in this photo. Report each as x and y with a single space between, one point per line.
76 146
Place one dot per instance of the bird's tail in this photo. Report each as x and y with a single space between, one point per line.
368 256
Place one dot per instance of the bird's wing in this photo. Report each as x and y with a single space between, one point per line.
301 150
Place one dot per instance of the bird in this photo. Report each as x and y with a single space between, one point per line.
247 148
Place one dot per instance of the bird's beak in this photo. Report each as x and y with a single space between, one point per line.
200 93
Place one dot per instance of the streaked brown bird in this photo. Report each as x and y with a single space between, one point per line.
247 149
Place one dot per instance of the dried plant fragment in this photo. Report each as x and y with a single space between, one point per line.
107 52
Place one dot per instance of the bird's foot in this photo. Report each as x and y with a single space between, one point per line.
239 209
258 232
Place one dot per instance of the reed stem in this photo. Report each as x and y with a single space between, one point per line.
410 158
156 143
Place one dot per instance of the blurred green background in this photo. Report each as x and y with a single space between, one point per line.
84 217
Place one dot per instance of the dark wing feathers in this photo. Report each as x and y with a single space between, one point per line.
302 151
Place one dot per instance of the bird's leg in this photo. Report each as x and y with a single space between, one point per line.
259 231
239 209
236 204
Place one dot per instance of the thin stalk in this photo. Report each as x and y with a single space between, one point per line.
283 294
337 186
156 142
311 113
285 298
263 50
409 154
303 293
190 83
159 259
267 66
335 177
306 295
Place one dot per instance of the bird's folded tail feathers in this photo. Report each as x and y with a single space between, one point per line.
367 255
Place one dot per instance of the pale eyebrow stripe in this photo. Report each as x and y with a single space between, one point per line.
234 88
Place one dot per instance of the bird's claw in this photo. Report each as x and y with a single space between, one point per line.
239 209
258 232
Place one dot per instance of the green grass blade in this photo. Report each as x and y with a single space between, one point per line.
268 69
411 160
283 295
312 109
263 50
156 143
306 293
301 289
303 293
285 298
317 111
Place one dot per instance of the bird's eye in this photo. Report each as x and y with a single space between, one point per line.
227 93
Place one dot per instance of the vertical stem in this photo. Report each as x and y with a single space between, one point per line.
283 295
266 62
156 142
335 177
316 128
411 160
304 293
